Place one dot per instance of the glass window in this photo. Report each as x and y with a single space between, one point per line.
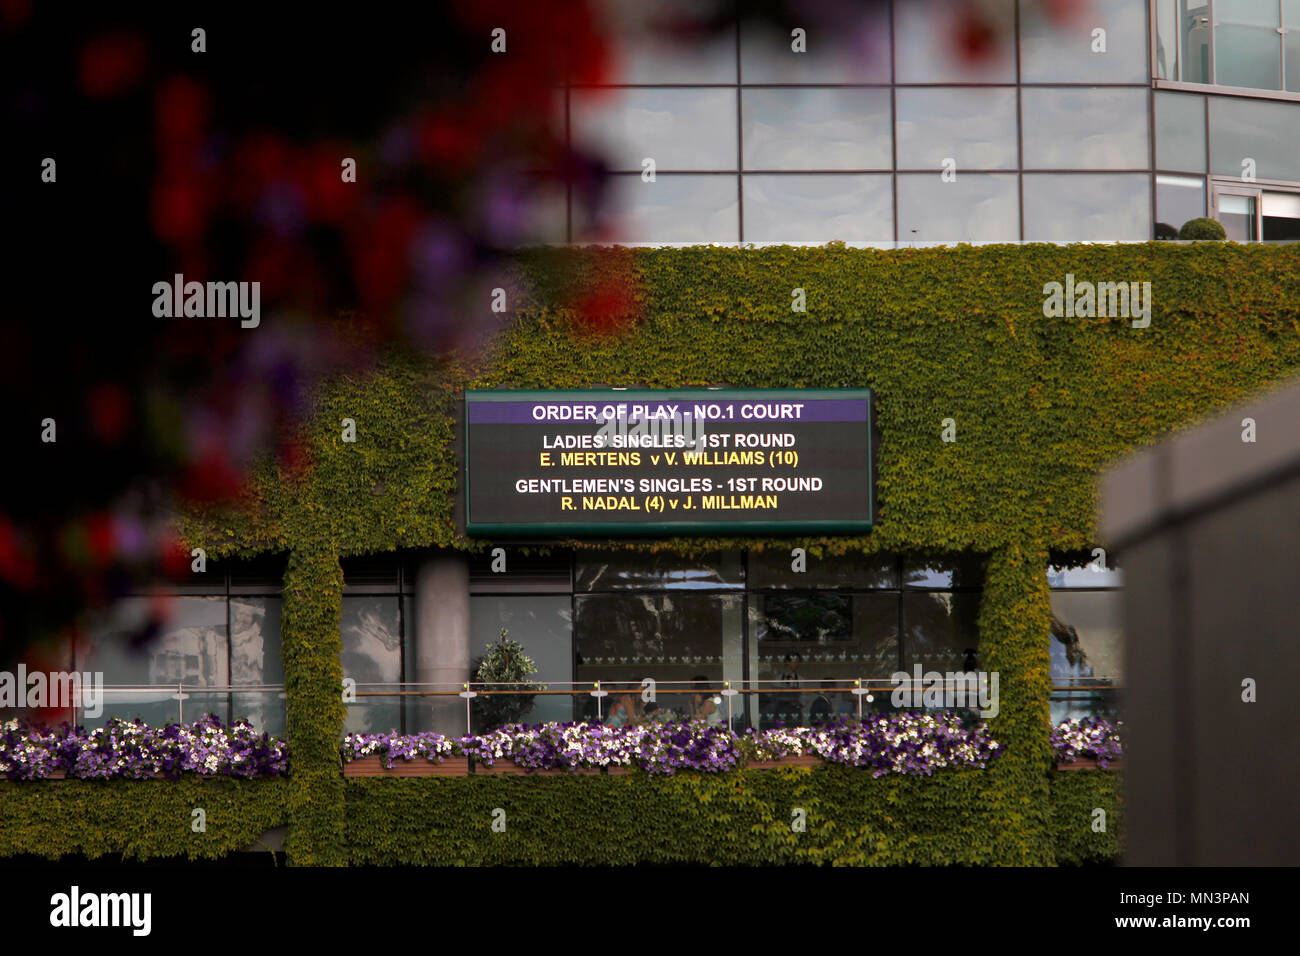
772 569
974 127
671 637
1281 215
1291 17
1051 51
1167 49
543 625
680 129
975 207
618 570
1238 215
372 656
938 41
1099 128
1247 46
816 129
674 208
261 575
858 52
1180 132
1087 650
190 646
957 571
939 631
255 659
1178 199
1194 35
795 208
1266 132
809 647
644 52
1083 207
370 574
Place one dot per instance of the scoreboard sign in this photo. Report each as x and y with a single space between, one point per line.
667 462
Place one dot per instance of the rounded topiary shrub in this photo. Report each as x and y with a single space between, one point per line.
1202 228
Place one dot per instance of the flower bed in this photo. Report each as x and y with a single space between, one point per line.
1087 742
136 751
916 744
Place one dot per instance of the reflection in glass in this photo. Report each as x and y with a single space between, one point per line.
1194 35
939 631
623 638
1086 651
1291 17
955 571
1081 128
614 570
542 624
191 648
643 52
372 655
680 129
1238 216
772 569
674 208
1178 199
975 207
255 659
1248 56
1180 132
1266 131
858 54
836 206
802 642
928 38
1087 207
1280 214
816 129
1054 52
1167 51
974 127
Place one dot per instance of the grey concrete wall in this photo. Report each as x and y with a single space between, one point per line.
1207 529
442 639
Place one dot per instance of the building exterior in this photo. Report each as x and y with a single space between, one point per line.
984 553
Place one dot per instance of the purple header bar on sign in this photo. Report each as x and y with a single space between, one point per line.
597 412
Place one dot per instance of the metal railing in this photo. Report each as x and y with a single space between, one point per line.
844 697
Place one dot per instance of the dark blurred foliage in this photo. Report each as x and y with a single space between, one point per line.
225 165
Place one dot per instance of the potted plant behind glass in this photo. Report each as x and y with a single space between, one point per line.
503 663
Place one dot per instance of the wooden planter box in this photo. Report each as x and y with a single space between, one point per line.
505 766
373 766
1090 763
811 761
619 771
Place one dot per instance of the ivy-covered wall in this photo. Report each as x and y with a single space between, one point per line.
738 819
742 818
138 819
1040 405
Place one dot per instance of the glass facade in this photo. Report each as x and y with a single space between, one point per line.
857 137
791 637
892 132
790 634
214 639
